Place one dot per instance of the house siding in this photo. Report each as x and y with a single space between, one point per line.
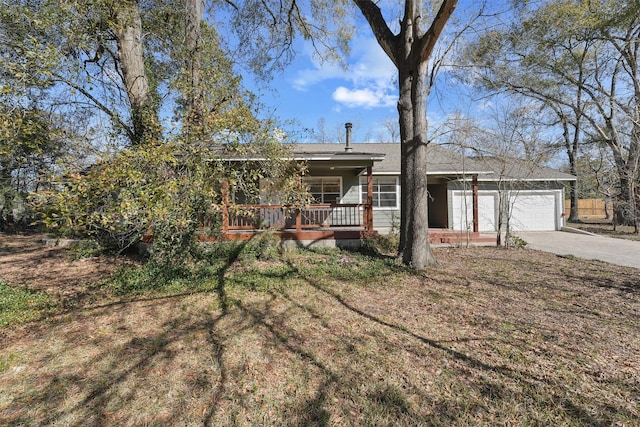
351 184
384 219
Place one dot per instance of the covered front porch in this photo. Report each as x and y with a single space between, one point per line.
337 215
330 223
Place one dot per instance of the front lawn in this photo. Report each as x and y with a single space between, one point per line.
488 337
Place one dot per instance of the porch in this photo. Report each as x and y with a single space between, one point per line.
333 224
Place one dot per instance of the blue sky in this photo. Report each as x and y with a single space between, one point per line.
365 93
309 90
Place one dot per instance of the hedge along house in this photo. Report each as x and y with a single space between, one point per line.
356 193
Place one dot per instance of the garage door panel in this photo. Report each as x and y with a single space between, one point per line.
532 211
463 211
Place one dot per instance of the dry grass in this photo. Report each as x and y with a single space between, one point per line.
489 337
604 227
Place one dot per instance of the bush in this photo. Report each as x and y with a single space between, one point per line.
264 247
516 242
83 249
174 241
381 244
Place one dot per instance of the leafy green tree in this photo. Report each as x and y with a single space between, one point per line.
92 56
580 60
89 54
164 189
31 147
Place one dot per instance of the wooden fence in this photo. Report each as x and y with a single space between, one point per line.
588 207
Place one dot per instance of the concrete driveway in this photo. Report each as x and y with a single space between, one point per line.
615 251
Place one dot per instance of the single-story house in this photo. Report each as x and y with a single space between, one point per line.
356 192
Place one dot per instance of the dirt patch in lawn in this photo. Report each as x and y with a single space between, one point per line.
26 262
488 337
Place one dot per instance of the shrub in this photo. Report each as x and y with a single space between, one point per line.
381 244
83 249
264 247
516 242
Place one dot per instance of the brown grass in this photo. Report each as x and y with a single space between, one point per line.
597 225
489 337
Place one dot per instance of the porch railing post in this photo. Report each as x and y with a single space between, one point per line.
369 208
225 207
298 210
474 186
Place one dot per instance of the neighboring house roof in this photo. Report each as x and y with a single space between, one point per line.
442 161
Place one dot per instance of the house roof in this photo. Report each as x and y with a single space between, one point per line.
518 170
441 161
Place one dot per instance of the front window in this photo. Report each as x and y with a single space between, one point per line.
324 190
385 192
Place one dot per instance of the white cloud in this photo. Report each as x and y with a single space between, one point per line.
369 80
321 72
366 98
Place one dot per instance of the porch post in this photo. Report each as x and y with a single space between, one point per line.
298 208
369 208
474 186
225 208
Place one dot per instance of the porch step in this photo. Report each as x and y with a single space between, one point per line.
456 237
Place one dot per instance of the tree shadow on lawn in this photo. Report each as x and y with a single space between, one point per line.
448 411
116 385
109 378
122 367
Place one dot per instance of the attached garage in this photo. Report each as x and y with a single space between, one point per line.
529 210
535 210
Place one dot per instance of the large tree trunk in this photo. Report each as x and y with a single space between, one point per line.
410 51
574 215
193 37
414 222
626 207
571 146
406 175
128 32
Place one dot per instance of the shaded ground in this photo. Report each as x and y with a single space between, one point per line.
489 337
26 262
604 227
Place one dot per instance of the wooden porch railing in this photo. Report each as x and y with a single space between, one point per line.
257 217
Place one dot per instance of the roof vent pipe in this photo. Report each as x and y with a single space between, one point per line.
348 148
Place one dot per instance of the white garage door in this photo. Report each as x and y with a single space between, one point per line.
533 211
463 210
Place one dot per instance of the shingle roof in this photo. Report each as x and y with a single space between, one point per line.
519 169
442 161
